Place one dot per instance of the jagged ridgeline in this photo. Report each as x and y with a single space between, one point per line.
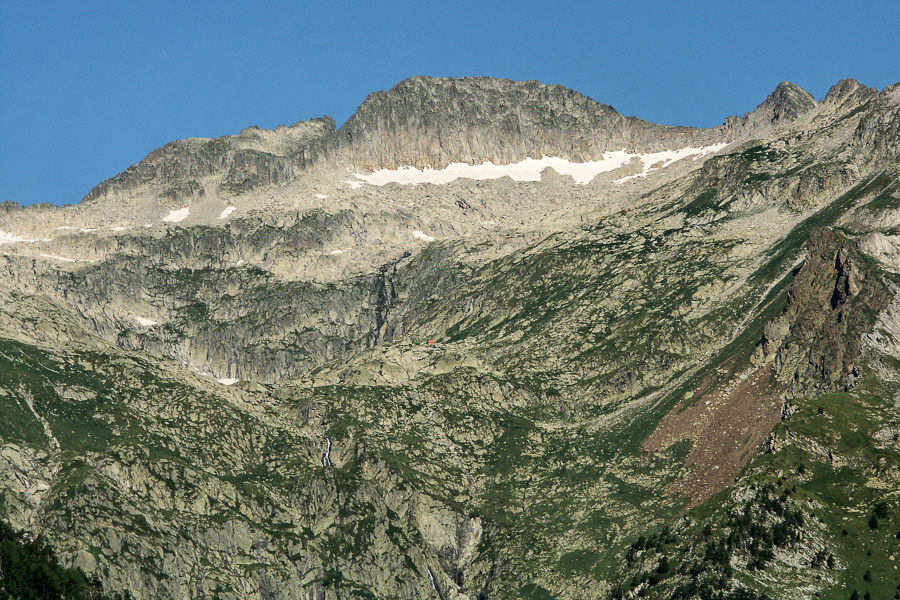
486 340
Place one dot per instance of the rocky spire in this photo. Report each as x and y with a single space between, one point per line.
787 103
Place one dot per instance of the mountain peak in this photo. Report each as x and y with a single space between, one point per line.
428 121
786 103
848 90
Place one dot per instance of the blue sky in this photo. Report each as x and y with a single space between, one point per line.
89 88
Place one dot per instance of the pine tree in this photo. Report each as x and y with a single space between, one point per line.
663 566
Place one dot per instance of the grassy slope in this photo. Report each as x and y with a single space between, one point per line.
837 499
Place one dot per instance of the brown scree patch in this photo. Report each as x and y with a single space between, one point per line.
726 428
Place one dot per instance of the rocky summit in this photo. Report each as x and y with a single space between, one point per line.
486 340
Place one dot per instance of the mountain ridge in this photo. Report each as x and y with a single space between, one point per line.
356 143
246 370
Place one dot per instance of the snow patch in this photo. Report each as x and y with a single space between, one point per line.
530 169
65 259
9 238
145 322
119 228
658 160
62 258
422 236
341 251
228 381
321 196
67 227
175 216
228 210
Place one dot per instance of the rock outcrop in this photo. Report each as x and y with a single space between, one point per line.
832 304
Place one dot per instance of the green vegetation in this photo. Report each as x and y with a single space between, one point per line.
886 200
796 502
759 153
30 570
765 522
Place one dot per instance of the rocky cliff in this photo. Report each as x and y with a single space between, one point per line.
426 122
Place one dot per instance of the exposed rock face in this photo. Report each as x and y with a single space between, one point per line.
427 122
787 103
831 306
238 371
848 91
877 131
246 161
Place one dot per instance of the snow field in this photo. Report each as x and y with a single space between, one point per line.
175 216
530 169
